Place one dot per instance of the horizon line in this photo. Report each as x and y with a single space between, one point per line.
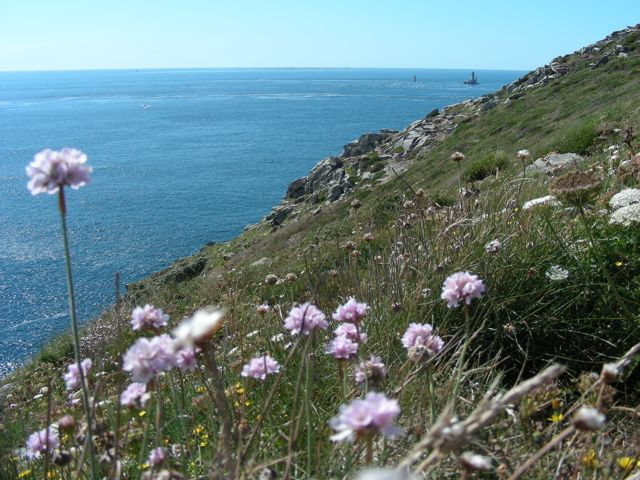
110 69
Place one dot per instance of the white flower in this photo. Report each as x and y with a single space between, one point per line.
626 216
588 418
200 327
536 202
494 246
625 198
473 461
522 154
556 273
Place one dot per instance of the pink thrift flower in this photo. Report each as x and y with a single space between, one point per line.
371 371
134 396
260 367
374 414
351 312
42 441
185 359
352 332
304 319
461 286
262 309
50 170
72 377
147 356
148 317
156 456
342 348
420 336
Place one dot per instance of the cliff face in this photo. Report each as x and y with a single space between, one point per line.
377 157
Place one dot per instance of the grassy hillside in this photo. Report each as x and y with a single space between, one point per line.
562 287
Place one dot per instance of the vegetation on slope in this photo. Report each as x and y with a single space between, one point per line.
562 286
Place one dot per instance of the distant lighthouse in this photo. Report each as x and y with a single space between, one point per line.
473 80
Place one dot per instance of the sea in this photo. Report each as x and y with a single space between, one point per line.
181 158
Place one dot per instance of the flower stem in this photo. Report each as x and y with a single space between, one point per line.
74 326
368 459
463 352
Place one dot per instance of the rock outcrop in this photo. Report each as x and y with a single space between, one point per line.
554 163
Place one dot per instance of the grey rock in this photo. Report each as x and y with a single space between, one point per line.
279 214
185 269
297 188
262 261
334 192
433 113
366 143
554 162
489 105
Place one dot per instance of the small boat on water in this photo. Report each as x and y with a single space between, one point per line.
473 80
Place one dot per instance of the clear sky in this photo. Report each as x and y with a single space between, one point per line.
494 34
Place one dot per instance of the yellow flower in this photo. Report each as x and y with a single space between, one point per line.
24 473
239 388
143 466
203 444
142 413
247 403
556 417
236 404
200 389
589 459
619 264
51 474
627 463
198 429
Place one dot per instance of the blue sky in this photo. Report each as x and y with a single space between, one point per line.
500 34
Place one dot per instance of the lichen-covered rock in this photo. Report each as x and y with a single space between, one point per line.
554 163
626 216
625 198
366 143
185 269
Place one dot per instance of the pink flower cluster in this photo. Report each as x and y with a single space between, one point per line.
461 287
352 332
157 456
148 317
135 395
260 367
348 334
148 356
342 348
351 311
51 170
371 371
72 377
305 319
420 337
364 417
42 441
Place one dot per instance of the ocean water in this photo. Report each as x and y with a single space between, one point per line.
212 151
